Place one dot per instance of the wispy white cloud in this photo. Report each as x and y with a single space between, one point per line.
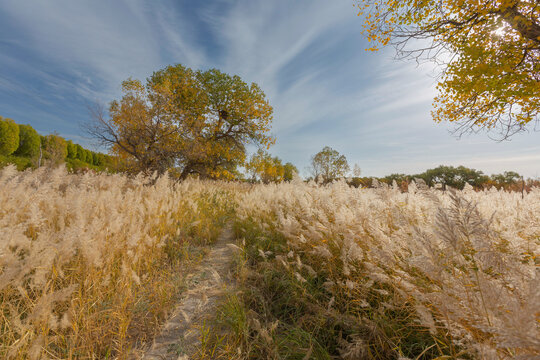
99 44
307 55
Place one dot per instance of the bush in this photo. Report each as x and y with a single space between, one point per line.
22 163
29 141
81 153
89 157
9 136
96 158
99 159
72 150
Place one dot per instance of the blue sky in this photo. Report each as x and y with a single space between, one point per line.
59 56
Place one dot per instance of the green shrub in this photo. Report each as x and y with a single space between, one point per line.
89 157
22 163
81 153
29 141
9 136
72 150
99 159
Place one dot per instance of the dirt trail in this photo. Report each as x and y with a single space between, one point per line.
179 336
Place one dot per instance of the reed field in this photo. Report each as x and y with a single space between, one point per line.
338 272
91 264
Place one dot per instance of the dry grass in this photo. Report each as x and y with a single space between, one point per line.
381 274
90 264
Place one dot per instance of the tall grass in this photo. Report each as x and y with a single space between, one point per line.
90 264
333 271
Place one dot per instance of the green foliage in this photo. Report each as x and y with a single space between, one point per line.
89 157
81 154
99 159
76 151
329 164
93 157
22 163
454 177
9 136
274 316
72 150
54 149
398 178
360 182
235 113
289 170
506 178
75 165
29 142
100 162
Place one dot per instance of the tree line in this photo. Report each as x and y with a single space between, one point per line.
329 165
23 146
458 177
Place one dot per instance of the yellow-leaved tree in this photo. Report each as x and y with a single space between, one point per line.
195 122
489 49
263 167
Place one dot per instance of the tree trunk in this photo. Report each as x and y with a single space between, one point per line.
526 27
187 170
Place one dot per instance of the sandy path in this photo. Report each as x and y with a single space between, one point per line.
179 336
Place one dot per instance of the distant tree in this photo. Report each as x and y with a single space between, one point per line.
72 150
329 164
98 159
89 158
398 178
364 182
262 166
196 121
94 158
453 177
9 136
289 171
54 149
29 142
505 179
489 50
81 153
